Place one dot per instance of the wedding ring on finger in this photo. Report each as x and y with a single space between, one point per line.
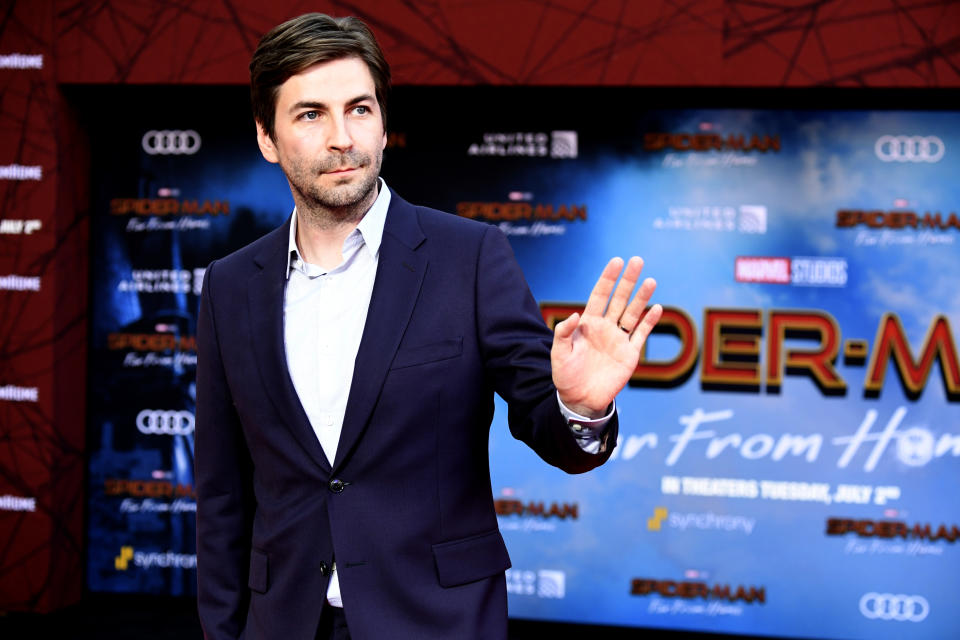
623 328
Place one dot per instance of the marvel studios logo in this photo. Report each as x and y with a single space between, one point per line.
544 583
798 271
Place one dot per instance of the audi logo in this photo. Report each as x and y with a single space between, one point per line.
165 423
171 142
909 148
889 606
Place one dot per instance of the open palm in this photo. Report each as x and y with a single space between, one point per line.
594 355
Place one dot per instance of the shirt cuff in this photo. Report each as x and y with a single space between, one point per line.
587 432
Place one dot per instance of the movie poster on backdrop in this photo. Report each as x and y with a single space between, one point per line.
176 188
786 441
788 438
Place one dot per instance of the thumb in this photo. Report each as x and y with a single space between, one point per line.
563 332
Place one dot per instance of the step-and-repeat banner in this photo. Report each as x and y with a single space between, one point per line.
788 445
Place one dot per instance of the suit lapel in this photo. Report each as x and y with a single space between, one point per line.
265 296
400 271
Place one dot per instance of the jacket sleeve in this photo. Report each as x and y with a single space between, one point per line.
515 345
223 473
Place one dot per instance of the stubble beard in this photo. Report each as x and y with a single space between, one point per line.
330 207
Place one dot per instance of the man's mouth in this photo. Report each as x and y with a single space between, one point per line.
342 170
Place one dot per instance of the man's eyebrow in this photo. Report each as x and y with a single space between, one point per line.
364 98
307 104
320 106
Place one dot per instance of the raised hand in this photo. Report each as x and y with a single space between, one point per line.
594 355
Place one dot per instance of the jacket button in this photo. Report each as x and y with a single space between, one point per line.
337 485
324 569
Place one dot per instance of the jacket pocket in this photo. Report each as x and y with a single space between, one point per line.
257 580
469 559
433 352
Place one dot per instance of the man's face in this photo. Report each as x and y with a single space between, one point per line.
329 135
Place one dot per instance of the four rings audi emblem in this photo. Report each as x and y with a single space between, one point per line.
909 148
889 606
171 142
165 422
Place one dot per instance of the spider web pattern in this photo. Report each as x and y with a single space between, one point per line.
772 43
431 42
878 43
874 43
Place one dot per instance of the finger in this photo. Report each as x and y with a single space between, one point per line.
649 321
621 295
631 315
597 301
563 332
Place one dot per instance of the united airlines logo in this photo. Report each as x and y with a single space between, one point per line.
561 145
163 281
744 218
545 583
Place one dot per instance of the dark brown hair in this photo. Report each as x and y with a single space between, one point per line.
302 42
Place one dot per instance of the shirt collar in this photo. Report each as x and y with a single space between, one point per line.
369 229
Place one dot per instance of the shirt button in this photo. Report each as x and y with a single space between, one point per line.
337 485
329 419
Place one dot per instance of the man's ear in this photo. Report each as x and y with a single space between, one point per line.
267 148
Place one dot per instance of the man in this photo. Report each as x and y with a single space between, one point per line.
347 365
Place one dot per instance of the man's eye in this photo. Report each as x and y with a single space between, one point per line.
361 110
310 115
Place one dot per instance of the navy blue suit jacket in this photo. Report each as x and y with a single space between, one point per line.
406 509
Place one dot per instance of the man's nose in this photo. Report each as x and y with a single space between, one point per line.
339 138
